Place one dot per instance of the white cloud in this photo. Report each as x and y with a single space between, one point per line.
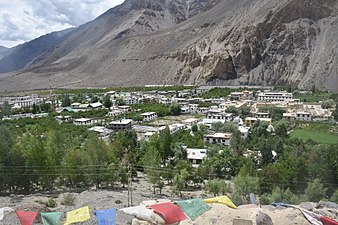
24 20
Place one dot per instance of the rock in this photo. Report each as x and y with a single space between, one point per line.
242 222
263 219
118 201
308 205
330 205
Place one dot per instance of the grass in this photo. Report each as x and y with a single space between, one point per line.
313 97
319 137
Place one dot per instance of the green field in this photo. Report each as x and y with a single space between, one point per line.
319 137
313 97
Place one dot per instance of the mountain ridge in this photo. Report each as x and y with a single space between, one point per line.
238 42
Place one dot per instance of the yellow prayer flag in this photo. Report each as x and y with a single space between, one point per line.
221 200
78 215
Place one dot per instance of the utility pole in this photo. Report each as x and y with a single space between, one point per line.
130 187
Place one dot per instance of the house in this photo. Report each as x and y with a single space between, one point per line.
63 119
95 105
196 156
83 122
102 131
240 96
262 115
190 121
218 138
148 135
289 116
215 116
131 100
124 108
115 112
123 124
282 96
244 131
249 121
174 128
149 116
22 101
303 116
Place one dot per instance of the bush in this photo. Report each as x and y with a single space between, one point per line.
280 195
244 185
217 186
334 197
51 203
315 191
68 200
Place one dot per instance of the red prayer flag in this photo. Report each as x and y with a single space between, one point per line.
26 218
328 221
170 212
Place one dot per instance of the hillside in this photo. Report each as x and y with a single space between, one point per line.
269 42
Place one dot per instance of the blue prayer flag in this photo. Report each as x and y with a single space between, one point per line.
106 217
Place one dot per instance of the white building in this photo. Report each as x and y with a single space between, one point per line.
174 128
123 124
115 112
249 121
83 122
22 101
218 138
148 135
196 156
303 116
124 108
274 96
149 116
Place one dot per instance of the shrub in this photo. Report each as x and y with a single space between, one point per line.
51 203
334 197
68 200
217 186
315 191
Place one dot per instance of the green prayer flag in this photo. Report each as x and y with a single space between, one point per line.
51 218
193 207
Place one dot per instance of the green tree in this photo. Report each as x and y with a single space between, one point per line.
152 165
175 109
244 185
266 152
180 181
165 139
315 191
107 102
281 129
6 109
65 101
217 186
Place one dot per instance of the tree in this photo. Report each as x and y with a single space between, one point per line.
217 126
281 129
165 139
232 109
65 101
217 186
107 102
328 103
152 165
180 180
175 109
245 111
244 185
6 109
315 191
266 152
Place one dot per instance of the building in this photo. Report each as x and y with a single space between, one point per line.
148 135
240 96
102 131
123 124
95 105
249 121
215 116
115 112
149 116
289 116
63 119
218 138
22 101
196 156
244 131
124 108
83 122
262 115
274 96
174 128
303 116
131 100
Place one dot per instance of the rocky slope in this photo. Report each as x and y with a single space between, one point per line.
4 51
265 42
20 56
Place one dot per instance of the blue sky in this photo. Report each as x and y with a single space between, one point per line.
24 20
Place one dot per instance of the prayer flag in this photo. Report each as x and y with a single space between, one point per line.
106 217
79 215
26 218
51 218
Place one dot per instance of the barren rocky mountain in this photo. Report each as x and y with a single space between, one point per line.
4 51
256 42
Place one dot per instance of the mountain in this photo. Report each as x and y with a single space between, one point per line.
230 42
20 56
4 51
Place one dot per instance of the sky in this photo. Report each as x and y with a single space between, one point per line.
25 20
